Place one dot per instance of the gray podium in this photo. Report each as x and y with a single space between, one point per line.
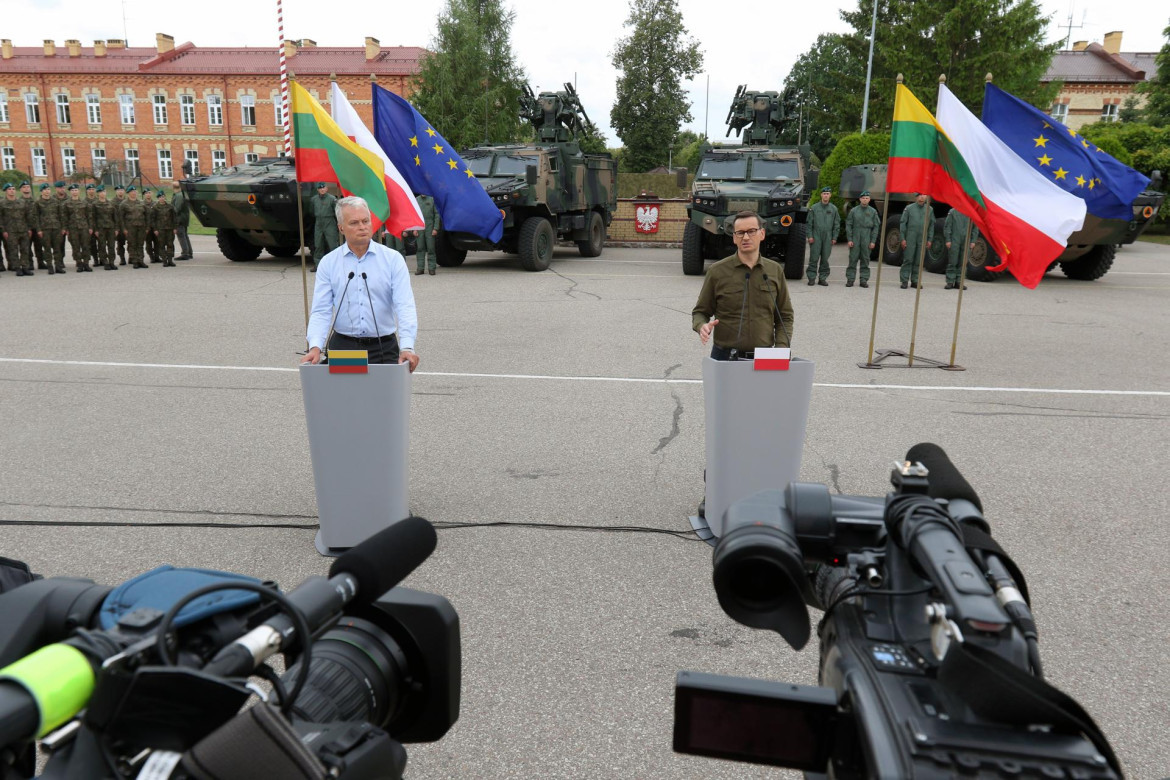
359 441
755 423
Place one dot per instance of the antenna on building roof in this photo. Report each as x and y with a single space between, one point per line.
1070 26
125 31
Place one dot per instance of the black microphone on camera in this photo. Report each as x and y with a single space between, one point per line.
361 575
947 483
776 308
337 310
747 280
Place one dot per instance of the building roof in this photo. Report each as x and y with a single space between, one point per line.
1094 64
189 58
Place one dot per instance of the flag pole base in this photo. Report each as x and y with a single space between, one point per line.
919 361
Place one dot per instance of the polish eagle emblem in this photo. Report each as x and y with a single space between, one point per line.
647 218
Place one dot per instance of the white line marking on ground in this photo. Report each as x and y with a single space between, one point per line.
626 379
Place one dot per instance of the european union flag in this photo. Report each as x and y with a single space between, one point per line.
432 167
1107 186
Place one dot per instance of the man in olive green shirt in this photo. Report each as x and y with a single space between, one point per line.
824 225
325 235
915 217
746 296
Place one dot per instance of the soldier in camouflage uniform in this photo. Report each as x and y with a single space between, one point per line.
16 222
824 225
38 248
90 200
79 226
425 248
50 229
861 229
106 221
134 224
151 240
325 237
119 202
182 211
954 232
911 225
164 230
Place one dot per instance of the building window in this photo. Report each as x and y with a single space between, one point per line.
218 159
1109 112
32 109
192 157
160 109
278 113
1059 112
132 163
215 110
99 161
4 106
251 157
63 110
69 158
40 166
8 156
164 164
126 102
248 111
93 109
187 109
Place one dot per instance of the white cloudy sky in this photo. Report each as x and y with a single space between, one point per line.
555 41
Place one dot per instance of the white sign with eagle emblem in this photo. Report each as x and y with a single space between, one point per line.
646 218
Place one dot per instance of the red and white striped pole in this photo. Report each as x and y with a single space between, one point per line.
283 82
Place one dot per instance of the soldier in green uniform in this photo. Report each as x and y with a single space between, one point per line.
106 220
182 210
79 228
954 233
16 222
119 202
824 224
325 238
38 247
134 225
50 228
861 229
425 248
151 241
91 199
911 225
164 230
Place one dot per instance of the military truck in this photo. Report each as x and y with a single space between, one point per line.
252 208
757 175
548 190
1088 255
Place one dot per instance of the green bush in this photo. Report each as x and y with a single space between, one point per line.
664 185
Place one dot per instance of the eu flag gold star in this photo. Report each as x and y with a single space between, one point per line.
1072 132
1092 183
438 149
414 140
1047 125
452 164
1080 181
1044 160
1060 173
1084 143
431 132
1041 141
468 172
417 161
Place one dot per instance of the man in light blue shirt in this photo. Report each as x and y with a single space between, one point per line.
368 286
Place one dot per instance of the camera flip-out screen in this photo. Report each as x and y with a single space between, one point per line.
758 721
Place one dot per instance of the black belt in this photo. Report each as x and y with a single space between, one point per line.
367 339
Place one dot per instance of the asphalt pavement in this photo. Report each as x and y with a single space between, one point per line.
155 417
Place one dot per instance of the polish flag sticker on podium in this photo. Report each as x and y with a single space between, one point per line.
772 358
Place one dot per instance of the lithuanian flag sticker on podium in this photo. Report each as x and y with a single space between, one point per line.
349 361
772 358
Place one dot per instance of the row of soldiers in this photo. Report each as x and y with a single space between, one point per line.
862 227
96 227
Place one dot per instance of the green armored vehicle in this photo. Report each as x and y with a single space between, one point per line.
1088 255
546 191
252 208
759 176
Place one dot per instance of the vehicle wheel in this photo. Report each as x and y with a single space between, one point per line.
794 253
234 247
692 250
537 240
282 251
592 246
446 254
892 246
936 256
979 260
1092 265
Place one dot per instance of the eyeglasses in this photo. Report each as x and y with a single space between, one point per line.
745 233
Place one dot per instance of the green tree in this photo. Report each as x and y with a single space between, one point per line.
1157 89
652 63
820 90
593 141
469 83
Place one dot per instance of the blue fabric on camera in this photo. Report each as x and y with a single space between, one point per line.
161 588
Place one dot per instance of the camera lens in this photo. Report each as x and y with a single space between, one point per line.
357 673
759 579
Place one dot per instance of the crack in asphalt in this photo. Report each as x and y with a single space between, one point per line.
665 441
834 472
572 290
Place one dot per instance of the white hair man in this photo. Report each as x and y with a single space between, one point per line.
368 286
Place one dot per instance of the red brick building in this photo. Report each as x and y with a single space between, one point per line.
74 109
1096 80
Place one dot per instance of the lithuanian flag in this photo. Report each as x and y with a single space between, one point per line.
324 153
349 361
957 160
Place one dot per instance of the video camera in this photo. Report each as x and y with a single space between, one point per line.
148 679
929 655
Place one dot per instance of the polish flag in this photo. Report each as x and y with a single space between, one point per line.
772 358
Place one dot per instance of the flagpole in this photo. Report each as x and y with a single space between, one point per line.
877 287
929 215
301 226
283 80
959 304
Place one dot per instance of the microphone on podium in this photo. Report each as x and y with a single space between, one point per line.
336 311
